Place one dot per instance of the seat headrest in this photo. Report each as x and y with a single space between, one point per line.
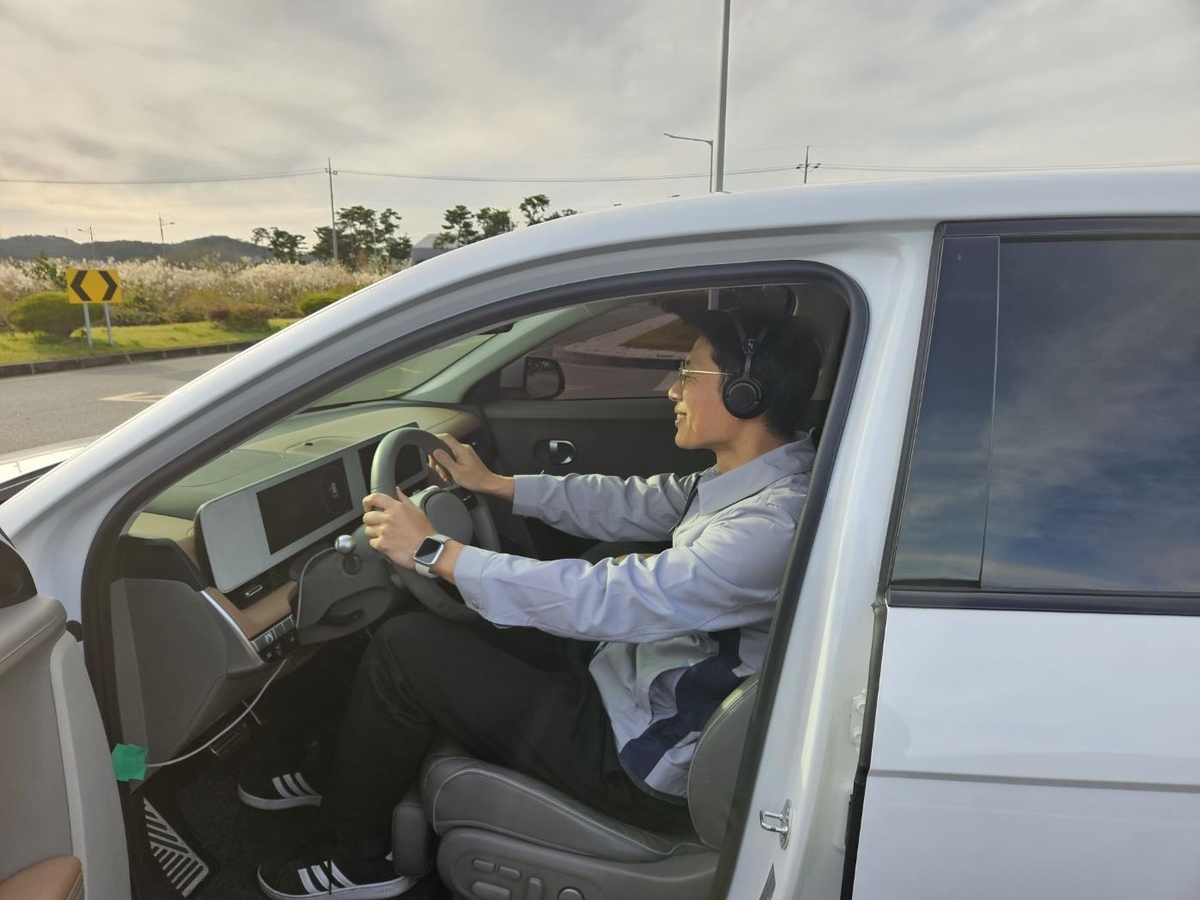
716 761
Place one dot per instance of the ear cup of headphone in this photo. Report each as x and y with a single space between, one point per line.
744 397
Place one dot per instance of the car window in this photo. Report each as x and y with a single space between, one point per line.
1095 472
632 351
1055 448
400 379
941 533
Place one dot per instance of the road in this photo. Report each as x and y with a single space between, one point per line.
47 409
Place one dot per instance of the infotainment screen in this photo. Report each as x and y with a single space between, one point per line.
300 506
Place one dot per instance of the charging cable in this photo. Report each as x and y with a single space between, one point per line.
224 731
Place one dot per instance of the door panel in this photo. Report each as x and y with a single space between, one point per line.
58 793
611 437
1033 754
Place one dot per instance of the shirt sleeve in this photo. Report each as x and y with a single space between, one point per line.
603 507
729 577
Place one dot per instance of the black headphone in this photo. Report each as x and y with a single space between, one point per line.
746 396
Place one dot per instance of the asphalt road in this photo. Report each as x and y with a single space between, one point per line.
36 410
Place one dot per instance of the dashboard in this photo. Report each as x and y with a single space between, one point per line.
241 523
206 574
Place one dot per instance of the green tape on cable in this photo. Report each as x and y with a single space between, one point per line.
129 762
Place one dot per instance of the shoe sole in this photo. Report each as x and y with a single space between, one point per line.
384 890
281 803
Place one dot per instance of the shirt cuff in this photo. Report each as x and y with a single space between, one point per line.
468 574
525 494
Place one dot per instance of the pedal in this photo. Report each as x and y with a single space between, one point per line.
232 741
181 865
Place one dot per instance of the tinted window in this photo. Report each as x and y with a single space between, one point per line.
16 584
941 531
1095 467
633 351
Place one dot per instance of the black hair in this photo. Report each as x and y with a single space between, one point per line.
786 362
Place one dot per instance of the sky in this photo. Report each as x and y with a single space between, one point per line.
536 95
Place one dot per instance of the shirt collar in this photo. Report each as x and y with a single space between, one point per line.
718 490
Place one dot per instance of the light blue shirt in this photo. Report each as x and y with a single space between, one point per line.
684 626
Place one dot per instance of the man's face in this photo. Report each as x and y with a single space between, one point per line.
701 420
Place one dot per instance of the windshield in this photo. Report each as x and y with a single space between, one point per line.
400 379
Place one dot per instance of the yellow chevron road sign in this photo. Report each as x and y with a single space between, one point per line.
93 286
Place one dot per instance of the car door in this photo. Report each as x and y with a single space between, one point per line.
59 795
1036 729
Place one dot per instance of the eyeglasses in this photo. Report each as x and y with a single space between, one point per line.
685 374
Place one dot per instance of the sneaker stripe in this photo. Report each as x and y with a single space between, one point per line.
320 876
338 876
281 788
305 786
292 786
309 887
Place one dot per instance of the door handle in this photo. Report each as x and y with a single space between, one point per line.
554 452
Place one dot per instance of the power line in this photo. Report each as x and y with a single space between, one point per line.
596 179
559 180
203 179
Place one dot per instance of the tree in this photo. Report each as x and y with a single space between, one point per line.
323 248
260 236
459 228
285 246
493 222
535 209
365 237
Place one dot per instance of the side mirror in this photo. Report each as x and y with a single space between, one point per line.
544 378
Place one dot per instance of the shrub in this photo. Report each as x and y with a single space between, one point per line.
218 315
248 317
313 302
47 312
138 310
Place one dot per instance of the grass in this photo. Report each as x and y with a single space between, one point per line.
20 348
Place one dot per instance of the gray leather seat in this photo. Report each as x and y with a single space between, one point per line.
505 835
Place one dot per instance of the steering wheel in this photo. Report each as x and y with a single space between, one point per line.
454 512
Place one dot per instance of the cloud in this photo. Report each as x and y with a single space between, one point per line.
146 89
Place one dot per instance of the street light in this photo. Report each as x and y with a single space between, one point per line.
162 241
680 137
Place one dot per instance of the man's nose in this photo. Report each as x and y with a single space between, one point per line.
673 392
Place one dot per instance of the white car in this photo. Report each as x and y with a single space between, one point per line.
982 675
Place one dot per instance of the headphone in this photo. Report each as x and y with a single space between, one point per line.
746 396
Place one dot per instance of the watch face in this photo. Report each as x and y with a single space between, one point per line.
429 548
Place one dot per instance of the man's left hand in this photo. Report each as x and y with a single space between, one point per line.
396 527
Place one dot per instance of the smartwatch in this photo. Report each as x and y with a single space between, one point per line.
428 553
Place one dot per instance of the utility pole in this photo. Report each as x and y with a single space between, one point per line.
806 166
332 220
720 177
162 241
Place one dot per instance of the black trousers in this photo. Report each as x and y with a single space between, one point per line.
516 697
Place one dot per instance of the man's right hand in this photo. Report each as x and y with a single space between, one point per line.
463 465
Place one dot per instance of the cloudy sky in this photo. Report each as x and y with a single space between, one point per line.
554 90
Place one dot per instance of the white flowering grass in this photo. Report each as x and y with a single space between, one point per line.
188 292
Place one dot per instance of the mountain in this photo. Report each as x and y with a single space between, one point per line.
27 246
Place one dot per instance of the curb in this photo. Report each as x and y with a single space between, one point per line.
42 366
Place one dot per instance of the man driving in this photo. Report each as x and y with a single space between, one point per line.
601 675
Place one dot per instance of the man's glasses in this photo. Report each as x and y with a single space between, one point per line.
685 374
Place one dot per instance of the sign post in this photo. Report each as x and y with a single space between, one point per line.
89 286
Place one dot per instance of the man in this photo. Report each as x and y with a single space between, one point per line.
679 629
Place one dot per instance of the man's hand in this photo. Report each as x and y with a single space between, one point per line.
396 527
463 465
